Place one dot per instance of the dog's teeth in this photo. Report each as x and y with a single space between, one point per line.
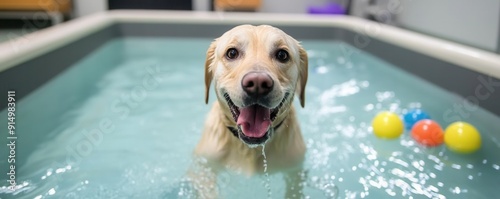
234 109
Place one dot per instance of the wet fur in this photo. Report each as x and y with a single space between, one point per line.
218 146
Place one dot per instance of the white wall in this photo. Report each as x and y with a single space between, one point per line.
289 6
86 7
275 6
201 5
474 23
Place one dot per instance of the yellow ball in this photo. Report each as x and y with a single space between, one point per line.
387 125
462 137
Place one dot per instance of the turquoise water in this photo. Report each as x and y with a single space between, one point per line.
123 122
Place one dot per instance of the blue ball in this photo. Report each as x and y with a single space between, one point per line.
413 116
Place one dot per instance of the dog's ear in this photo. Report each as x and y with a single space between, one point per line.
209 69
301 90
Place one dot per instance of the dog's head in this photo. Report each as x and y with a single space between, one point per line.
256 71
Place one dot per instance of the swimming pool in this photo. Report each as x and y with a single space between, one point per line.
122 115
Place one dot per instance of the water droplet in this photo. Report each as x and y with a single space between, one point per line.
365 84
60 170
455 190
390 192
51 191
322 69
314 178
456 166
330 190
369 107
414 105
267 183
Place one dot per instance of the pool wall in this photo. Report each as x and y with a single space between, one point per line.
32 60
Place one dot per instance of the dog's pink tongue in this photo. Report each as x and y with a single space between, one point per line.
254 120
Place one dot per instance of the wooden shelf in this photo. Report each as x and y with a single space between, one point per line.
63 6
237 5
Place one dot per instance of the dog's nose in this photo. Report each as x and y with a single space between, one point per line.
257 83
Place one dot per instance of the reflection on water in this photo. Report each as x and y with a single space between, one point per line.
130 131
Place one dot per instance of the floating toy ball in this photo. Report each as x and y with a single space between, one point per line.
387 125
462 137
427 132
413 116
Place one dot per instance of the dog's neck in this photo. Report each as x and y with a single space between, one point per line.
232 152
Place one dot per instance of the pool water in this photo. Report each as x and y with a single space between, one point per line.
123 122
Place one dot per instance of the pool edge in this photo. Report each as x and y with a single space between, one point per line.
46 40
365 35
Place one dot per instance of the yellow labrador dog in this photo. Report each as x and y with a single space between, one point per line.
256 70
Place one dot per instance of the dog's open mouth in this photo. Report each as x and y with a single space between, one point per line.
255 120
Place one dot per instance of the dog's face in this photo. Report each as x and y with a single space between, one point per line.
256 71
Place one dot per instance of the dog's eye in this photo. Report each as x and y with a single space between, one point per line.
282 55
232 53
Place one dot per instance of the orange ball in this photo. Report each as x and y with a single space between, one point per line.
428 133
